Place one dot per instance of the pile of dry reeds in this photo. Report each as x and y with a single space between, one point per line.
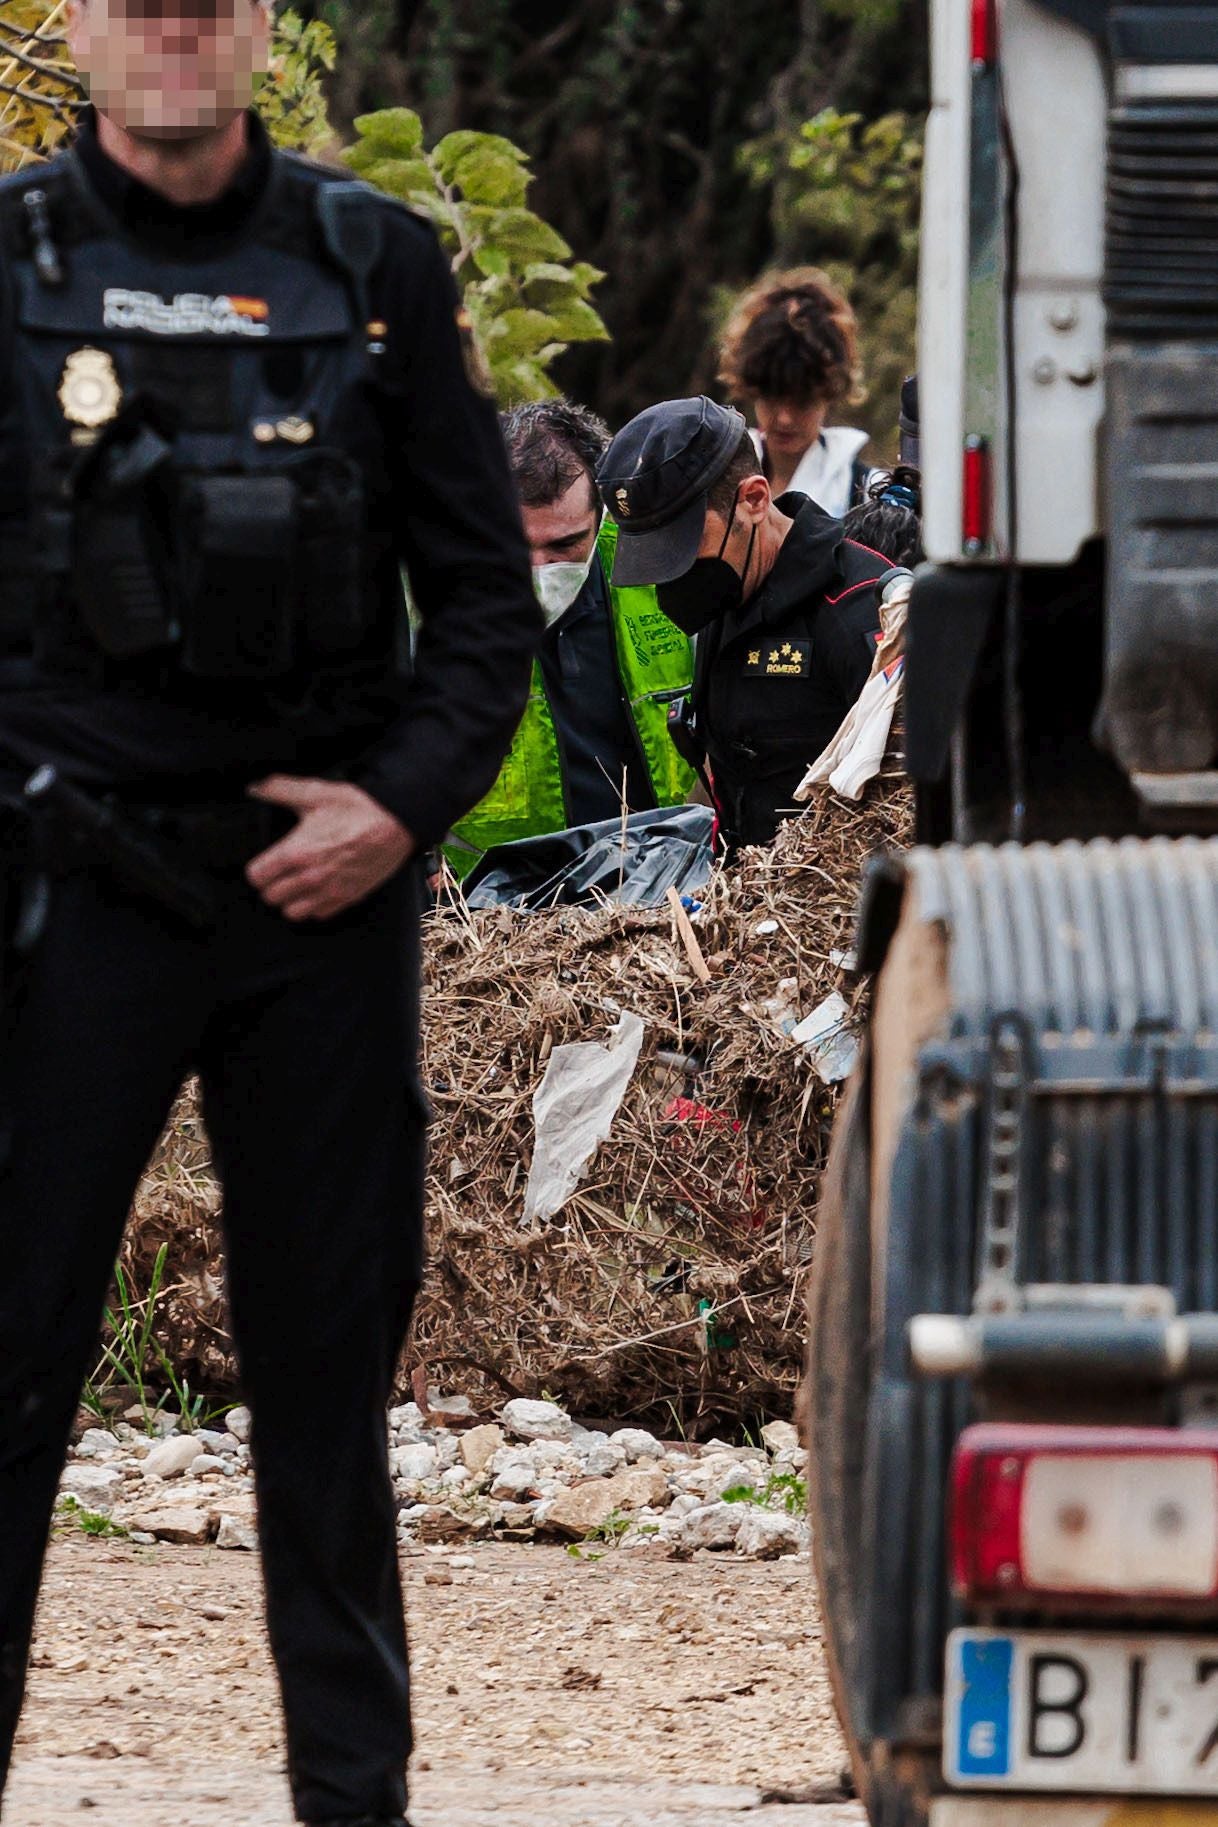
669 1287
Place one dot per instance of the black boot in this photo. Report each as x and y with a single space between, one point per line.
364 1820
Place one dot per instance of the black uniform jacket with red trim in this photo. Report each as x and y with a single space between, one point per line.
776 677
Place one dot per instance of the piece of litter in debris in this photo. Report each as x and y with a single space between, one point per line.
844 961
766 928
781 1009
824 1035
573 1110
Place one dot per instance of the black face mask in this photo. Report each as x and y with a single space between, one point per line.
709 589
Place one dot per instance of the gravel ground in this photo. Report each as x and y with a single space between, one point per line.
551 1691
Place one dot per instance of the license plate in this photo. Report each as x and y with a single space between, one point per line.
1106 1714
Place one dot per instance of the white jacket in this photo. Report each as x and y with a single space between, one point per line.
826 469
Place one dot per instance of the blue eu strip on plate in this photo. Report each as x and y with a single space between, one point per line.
984 1719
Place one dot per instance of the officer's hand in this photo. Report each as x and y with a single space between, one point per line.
344 847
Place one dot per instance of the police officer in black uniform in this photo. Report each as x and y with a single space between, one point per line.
233 402
785 608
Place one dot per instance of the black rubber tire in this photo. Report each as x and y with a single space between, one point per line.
835 1393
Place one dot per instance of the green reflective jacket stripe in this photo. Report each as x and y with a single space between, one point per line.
529 797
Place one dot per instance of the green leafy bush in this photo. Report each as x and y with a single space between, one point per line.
526 296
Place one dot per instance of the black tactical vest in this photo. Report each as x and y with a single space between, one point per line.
207 484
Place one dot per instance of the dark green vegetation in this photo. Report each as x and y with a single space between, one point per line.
669 146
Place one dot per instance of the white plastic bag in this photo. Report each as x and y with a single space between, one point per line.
573 1111
855 754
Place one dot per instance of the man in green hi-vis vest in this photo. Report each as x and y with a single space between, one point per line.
595 731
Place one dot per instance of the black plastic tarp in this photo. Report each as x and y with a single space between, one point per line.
630 865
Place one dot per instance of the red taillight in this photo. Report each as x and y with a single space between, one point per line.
977 497
985 32
1085 1513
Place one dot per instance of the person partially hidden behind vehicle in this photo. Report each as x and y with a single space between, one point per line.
784 606
889 520
790 357
595 733
234 402
889 517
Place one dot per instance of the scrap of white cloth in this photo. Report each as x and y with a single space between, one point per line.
573 1111
855 754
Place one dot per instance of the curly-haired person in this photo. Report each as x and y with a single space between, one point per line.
790 356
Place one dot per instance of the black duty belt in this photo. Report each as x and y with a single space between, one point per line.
174 855
223 836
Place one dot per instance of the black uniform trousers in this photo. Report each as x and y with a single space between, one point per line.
305 1038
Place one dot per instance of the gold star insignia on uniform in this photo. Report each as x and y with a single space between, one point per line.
788 652
775 658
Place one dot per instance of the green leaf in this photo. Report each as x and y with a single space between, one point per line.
493 261
405 178
520 232
579 323
483 176
519 331
395 131
456 147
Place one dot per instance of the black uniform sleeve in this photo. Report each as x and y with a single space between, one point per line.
460 538
852 624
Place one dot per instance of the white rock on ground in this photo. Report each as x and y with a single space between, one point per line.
514 1477
479 1447
97 1443
414 1463
765 1535
95 1487
526 1420
637 1444
172 1457
176 1523
780 1437
711 1525
537 1473
237 1532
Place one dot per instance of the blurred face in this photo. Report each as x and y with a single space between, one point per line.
564 531
788 428
170 69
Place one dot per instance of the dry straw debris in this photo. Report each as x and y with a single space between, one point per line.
669 1287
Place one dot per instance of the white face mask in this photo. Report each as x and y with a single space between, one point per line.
557 586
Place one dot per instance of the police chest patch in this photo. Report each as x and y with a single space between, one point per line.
779 660
187 314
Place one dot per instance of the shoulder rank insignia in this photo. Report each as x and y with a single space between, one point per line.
89 390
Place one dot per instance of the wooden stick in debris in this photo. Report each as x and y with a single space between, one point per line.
689 938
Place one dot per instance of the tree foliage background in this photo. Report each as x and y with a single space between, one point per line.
669 142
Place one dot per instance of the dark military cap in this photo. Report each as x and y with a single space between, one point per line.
654 480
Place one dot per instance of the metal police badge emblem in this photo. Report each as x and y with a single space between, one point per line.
89 391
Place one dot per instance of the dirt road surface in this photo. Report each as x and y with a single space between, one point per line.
551 1691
